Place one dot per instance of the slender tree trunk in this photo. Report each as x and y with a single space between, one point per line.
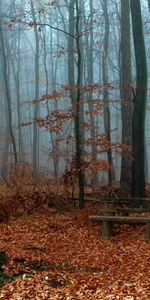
78 129
56 108
139 109
36 105
53 77
71 45
89 49
29 133
81 8
107 124
15 64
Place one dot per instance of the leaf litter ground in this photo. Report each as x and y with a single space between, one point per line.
62 256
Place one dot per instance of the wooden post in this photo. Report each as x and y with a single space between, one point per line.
147 233
107 229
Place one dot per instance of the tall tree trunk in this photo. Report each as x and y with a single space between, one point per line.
76 94
81 20
15 64
89 49
139 109
36 105
7 91
78 129
71 45
53 77
29 132
107 124
126 97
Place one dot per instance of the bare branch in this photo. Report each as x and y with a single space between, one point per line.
46 24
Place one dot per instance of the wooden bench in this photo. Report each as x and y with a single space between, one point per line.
108 222
119 210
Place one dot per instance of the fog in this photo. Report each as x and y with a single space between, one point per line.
38 52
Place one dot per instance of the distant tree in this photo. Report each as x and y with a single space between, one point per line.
15 65
71 45
148 4
139 106
6 88
37 92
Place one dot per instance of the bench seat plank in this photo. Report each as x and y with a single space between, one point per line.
121 219
127 210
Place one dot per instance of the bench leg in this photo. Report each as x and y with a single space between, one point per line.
107 229
147 234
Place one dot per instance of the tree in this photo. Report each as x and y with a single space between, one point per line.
107 124
90 79
16 70
126 97
148 4
139 107
77 121
74 40
36 105
4 68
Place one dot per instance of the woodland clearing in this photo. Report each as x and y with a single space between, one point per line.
60 255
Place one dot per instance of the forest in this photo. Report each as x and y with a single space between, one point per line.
75 142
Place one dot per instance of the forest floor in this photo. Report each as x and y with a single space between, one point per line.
60 255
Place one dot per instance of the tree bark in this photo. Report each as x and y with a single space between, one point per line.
78 129
7 92
89 49
126 97
139 109
36 105
107 125
75 91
